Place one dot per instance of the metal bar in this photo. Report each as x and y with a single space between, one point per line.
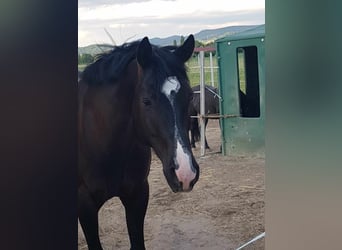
202 102
211 69
251 241
208 67
214 116
210 90
215 94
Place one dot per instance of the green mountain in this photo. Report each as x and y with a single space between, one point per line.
203 36
94 49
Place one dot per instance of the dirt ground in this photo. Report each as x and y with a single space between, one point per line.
223 211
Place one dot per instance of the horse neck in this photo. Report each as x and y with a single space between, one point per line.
105 111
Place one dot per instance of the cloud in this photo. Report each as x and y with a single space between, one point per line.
137 27
96 3
159 18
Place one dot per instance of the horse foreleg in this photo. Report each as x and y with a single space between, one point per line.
192 129
205 138
88 216
206 144
135 207
192 138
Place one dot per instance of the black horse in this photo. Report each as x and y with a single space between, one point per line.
131 100
211 107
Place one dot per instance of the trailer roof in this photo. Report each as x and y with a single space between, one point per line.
256 32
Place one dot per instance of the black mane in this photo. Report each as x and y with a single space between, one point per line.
168 64
109 66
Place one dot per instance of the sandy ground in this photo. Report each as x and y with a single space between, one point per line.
224 210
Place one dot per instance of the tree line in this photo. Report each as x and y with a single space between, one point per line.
198 44
85 58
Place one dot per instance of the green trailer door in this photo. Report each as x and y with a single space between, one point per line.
242 87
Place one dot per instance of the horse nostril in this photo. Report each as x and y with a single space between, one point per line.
192 183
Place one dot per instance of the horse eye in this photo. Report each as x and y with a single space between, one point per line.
147 101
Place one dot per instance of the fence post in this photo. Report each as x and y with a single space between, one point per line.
211 69
202 102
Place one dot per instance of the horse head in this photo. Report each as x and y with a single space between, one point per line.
162 99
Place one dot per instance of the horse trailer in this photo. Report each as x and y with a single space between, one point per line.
241 61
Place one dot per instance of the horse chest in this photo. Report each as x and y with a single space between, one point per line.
112 174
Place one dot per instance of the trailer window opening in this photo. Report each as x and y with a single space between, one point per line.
248 75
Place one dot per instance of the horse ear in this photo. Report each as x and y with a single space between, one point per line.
185 51
144 53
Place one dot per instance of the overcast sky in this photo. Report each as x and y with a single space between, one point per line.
128 20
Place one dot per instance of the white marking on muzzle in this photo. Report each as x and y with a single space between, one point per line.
184 173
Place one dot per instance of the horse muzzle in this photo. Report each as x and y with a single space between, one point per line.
181 179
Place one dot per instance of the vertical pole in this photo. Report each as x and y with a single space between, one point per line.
199 64
202 102
211 69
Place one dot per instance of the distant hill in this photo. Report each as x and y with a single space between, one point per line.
94 49
203 36
213 34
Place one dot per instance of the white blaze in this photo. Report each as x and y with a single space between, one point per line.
184 173
171 84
